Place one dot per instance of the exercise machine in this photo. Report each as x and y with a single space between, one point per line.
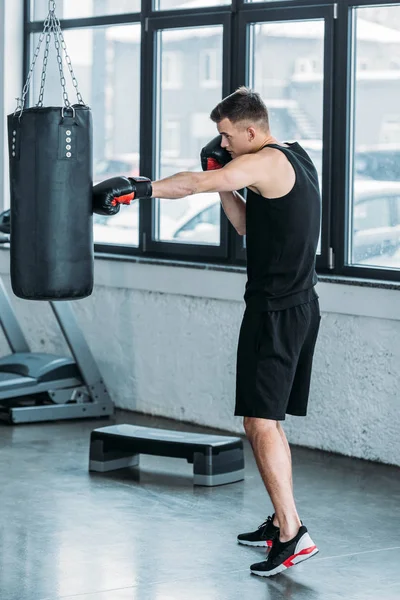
36 386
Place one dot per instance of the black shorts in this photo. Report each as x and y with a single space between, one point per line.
274 361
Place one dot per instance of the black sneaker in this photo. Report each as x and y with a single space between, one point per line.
286 554
263 536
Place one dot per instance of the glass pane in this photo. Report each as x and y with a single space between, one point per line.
189 86
375 187
101 57
76 9
174 4
287 69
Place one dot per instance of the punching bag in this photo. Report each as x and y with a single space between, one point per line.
51 180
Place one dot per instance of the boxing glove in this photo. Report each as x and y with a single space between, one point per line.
108 195
213 156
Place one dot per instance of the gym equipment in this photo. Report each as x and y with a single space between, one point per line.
216 459
36 386
51 180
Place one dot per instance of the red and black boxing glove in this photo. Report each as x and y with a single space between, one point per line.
108 195
213 156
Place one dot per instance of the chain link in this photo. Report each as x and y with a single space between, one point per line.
21 100
51 26
60 63
44 69
68 60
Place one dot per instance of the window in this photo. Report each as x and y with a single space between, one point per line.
190 102
329 73
295 99
374 237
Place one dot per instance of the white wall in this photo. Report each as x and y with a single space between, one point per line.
165 339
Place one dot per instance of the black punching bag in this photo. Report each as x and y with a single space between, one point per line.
51 177
51 180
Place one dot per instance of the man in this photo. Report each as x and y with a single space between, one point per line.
281 221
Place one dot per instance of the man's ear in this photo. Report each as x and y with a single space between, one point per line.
251 133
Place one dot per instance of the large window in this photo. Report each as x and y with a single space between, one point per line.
374 226
286 66
183 127
152 70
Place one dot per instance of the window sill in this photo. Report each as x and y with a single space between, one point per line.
339 295
372 283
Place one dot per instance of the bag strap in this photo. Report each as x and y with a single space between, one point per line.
51 27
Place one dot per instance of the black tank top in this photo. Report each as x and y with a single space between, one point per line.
282 239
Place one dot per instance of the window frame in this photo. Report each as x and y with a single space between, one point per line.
343 158
272 15
337 131
148 209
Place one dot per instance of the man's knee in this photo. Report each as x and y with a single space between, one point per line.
254 426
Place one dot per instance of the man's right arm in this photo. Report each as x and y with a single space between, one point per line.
234 206
214 157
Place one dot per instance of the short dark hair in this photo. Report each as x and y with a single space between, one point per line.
242 105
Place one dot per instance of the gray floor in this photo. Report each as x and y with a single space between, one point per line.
68 534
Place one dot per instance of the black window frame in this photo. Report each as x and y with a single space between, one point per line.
336 118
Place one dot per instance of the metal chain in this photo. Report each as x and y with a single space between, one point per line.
44 69
68 60
51 26
21 100
60 63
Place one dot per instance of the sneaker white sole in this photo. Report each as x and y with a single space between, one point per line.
259 544
305 549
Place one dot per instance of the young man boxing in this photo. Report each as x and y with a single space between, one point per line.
281 221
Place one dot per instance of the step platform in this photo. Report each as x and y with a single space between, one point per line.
216 459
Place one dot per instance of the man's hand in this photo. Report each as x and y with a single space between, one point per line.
213 156
111 193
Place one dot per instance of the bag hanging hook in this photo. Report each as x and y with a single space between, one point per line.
65 108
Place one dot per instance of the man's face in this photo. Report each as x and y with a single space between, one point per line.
235 137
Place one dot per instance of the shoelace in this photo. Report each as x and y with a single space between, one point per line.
266 523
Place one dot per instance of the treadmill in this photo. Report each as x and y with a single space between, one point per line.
35 386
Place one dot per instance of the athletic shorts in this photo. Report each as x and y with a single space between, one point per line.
274 361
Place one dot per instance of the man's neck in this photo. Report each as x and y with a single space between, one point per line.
269 139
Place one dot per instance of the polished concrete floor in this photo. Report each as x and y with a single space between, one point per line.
69 534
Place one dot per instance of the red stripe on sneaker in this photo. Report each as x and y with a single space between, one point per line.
269 543
288 562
